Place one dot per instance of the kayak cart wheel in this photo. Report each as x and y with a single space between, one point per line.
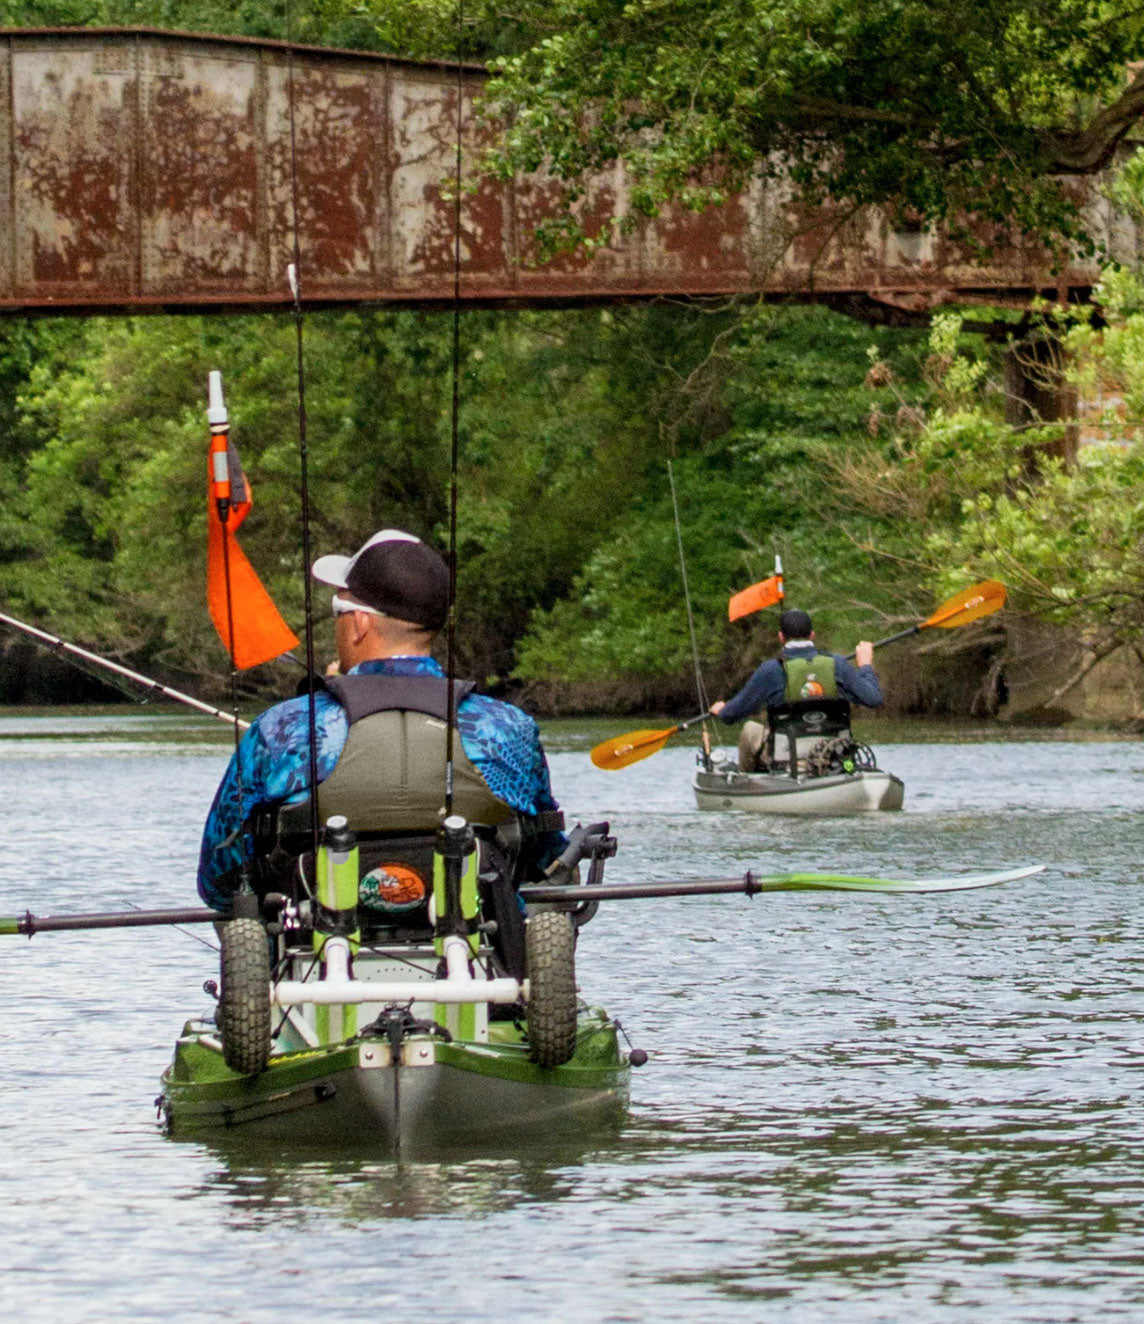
244 998
550 941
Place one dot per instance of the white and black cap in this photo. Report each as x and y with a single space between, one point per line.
395 573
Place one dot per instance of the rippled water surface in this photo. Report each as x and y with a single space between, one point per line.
857 1107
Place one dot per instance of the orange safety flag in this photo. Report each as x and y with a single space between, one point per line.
260 633
763 594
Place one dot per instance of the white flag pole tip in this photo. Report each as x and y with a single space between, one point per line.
216 406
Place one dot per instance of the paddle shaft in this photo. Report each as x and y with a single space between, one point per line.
749 884
29 924
890 639
61 645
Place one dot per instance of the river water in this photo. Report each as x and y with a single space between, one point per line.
856 1108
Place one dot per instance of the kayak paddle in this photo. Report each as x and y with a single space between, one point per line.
629 748
971 604
749 884
566 896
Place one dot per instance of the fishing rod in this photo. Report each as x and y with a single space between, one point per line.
454 436
700 689
294 279
74 651
565 897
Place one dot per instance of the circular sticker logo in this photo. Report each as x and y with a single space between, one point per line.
392 887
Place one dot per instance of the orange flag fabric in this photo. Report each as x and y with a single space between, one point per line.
260 633
763 594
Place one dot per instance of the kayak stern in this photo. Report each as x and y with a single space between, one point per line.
418 1090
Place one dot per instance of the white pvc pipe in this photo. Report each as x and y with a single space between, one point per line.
336 956
354 992
457 953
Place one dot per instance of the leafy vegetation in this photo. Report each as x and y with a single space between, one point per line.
880 467
566 536
995 501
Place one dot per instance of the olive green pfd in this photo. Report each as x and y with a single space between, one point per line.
810 678
390 776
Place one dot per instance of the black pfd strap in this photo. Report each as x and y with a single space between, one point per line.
363 695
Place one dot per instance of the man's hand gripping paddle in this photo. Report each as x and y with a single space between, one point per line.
970 604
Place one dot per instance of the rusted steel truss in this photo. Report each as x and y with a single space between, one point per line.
154 170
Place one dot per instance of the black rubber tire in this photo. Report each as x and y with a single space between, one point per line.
550 941
244 996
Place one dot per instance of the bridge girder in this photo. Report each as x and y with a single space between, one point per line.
151 170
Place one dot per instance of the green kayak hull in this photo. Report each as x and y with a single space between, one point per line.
436 1094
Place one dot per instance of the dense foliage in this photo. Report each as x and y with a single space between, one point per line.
994 501
566 533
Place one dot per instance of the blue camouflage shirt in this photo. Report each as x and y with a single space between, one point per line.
502 741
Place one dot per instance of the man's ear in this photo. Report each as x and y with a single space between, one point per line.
362 625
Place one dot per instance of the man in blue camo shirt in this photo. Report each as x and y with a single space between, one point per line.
390 602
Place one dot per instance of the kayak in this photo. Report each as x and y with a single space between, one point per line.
392 1055
337 1025
723 786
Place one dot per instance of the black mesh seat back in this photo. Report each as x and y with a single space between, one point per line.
414 852
804 723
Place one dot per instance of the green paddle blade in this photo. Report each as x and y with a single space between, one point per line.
838 882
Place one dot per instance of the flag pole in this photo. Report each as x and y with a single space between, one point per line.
218 420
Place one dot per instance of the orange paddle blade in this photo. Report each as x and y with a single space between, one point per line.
969 605
623 750
763 594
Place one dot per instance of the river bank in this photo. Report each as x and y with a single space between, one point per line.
1017 676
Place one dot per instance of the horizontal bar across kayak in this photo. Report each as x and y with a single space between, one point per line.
350 992
29 924
569 897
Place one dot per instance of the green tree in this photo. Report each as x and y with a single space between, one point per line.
785 402
1067 538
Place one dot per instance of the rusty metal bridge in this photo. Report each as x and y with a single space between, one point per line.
155 170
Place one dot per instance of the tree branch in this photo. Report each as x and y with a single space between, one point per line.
1090 149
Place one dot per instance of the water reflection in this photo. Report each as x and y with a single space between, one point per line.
260 1184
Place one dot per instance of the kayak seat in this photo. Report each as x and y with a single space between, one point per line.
396 882
802 724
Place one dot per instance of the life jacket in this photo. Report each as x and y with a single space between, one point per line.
811 708
809 677
390 777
